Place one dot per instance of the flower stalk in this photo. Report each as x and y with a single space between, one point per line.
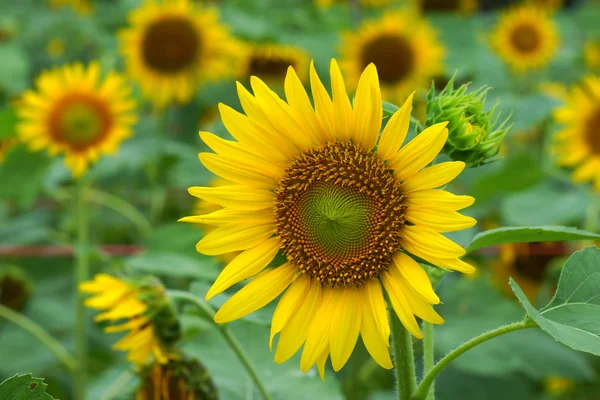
404 360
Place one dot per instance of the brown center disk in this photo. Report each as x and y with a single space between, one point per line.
532 259
339 214
393 56
269 68
592 133
171 45
526 38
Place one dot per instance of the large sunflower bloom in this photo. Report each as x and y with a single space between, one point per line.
173 46
525 38
403 47
75 112
123 301
578 143
342 203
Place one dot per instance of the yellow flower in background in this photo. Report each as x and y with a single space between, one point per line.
525 38
270 62
456 6
342 203
578 143
527 264
55 48
6 144
123 301
403 47
76 112
591 55
173 46
81 7
558 385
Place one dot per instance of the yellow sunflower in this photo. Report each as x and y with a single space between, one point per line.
126 301
81 7
578 143
455 6
591 55
527 264
403 47
342 203
75 112
173 46
270 62
526 38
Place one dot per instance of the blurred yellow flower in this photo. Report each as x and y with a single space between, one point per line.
55 48
591 55
403 47
76 112
123 301
578 143
525 38
270 62
81 7
558 385
341 202
173 46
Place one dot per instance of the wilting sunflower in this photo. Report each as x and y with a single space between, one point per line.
75 112
527 264
591 55
145 310
448 6
578 143
403 47
270 62
342 203
173 46
526 37
81 7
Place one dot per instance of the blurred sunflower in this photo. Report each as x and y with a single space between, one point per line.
81 7
527 264
147 313
526 38
342 204
5 145
15 287
173 46
456 6
270 62
75 112
403 47
578 143
591 55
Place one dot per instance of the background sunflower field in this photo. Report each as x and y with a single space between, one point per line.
101 102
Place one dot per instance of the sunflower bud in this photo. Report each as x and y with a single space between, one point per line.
474 134
15 287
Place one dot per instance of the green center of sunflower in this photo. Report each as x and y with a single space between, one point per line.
592 133
267 68
171 45
393 56
525 38
339 214
80 120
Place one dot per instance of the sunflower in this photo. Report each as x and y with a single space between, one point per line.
81 7
141 306
578 143
340 204
527 264
403 47
526 38
455 6
75 112
270 62
591 55
174 46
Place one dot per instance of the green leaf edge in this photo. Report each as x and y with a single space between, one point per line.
39 392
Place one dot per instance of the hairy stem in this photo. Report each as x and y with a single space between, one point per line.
428 354
404 360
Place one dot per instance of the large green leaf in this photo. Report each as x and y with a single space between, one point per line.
24 387
573 315
21 175
497 236
164 263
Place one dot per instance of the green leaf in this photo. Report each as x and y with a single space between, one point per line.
14 69
164 263
573 315
389 109
24 387
504 235
21 174
8 122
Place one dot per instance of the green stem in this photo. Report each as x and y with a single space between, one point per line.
427 382
81 274
227 335
158 193
404 359
428 354
36 330
591 223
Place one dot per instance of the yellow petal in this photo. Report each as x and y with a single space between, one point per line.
419 307
228 216
321 361
301 107
345 326
107 299
237 197
367 108
419 152
439 220
454 264
434 176
101 283
295 331
400 304
395 131
232 170
132 324
375 344
323 104
424 242
317 340
343 116
289 304
245 265
414 275
438 200
234 237
373 298
258 293
127 308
